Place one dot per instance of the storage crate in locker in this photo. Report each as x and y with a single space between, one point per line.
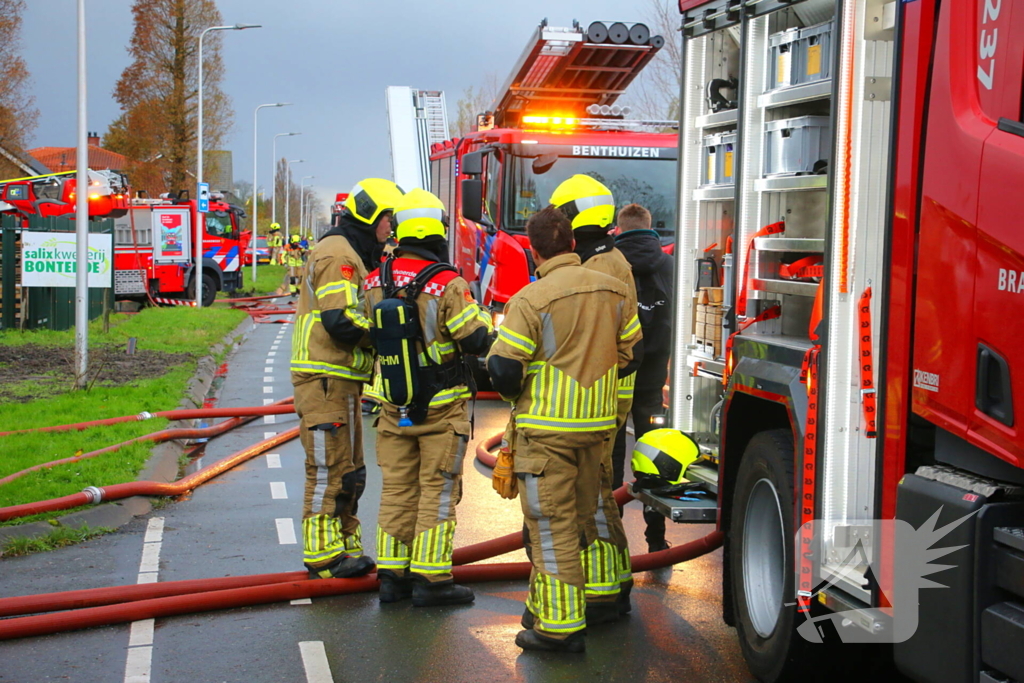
719 158
780 58
813 54
793 146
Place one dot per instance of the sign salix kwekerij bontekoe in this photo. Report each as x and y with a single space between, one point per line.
48 259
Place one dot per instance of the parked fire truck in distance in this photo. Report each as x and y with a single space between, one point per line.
337 207
554 118
856 384
54 194
153 249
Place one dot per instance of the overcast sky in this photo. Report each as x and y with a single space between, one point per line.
331 58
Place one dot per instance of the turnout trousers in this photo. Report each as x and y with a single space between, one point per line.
331 431
422 470
559 481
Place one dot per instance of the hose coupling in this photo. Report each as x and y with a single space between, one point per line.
145 415
94 494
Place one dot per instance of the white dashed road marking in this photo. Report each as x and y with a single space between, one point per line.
278 490
267 435
268 379
139 660
285 530
267 401
269 419
268 390
314 661
302 601
274 461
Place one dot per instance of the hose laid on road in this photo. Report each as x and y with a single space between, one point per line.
147 488
208 595
278 408
250 298
248 415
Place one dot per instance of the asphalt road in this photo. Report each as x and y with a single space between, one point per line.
247 521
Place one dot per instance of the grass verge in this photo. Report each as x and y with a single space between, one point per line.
174 330
60 537
268 280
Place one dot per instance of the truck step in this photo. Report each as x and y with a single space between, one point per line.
1002 632
1012 536
703 511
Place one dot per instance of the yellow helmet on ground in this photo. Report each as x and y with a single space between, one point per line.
370 198
585 201
419 214
664 454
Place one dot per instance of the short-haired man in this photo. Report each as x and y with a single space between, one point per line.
557 358
652 273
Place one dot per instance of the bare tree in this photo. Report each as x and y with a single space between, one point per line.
18 114
158 93
655 92
475 100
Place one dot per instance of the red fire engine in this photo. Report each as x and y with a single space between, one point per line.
153 250
54 194
556 116
337 207
856 383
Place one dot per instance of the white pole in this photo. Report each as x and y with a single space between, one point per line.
302 205
288 199
82 219
255 186
273 219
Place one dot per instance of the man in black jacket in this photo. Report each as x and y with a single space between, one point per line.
653 271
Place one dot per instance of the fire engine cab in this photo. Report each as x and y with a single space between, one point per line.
54 194
849 356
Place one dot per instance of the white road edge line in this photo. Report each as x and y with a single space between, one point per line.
285 530
267 435
139 661
314 661
154 530
278 490
302 601
138 664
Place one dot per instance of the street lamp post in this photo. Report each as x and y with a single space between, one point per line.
273 218
302 203
255 186
288 198
197 275
82 219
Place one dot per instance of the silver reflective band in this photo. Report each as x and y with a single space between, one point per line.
584 203
320 460
426 212
650 451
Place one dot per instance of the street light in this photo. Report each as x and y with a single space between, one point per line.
288 197
273 219
302 204
200 218
255 187
81 220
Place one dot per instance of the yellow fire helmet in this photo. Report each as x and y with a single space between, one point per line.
275 226
664 454
295 239
371 197
585 201
419 214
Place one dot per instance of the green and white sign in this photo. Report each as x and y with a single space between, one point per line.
48 259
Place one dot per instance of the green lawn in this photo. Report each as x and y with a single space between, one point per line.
268 280
172 330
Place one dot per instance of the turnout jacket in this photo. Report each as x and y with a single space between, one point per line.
448 315
330 336
570 331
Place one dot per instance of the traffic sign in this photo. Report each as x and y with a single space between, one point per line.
204 197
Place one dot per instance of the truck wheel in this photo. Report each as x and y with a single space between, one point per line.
761 556
209 290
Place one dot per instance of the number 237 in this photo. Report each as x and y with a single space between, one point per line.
987 44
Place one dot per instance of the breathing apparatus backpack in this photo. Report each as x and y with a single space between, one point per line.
398 337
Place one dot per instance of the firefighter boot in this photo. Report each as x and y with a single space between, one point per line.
531 640
603 612
426 594
343 567
625 607
393 587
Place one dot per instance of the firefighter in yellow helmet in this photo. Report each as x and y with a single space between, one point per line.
294 260
331 360
275 241
422 384
589 205
565 335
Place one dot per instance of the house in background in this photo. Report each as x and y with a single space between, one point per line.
19 165
60 159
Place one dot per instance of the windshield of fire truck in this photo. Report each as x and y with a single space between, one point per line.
218 224
648 182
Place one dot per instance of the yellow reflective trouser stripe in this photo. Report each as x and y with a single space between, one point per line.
625 565
432 549
391 553
517 340
631 328
464 316
601 569
558 606
322 540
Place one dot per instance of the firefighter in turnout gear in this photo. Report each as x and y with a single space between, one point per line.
331 360
275 241
557 358
295 262
589 205
421 441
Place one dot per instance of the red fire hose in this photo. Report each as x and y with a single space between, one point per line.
146 488
170 434
278 408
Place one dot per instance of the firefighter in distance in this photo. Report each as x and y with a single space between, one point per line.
422 319
331 360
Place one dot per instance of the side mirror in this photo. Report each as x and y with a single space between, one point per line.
473 163
473 199
543 164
